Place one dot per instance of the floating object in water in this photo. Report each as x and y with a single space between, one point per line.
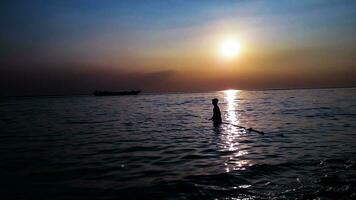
248 129
108 93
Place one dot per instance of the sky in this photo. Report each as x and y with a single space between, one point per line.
78 46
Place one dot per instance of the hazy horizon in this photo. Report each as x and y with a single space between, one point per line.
74 47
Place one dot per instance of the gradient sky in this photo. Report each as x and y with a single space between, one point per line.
77 46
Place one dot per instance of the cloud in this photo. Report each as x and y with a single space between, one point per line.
73 79
19 80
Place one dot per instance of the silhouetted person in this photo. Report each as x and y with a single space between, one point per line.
217 114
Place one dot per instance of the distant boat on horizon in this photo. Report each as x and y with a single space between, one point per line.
109 93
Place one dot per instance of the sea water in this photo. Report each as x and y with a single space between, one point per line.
162 146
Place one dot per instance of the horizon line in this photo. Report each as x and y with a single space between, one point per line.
178 92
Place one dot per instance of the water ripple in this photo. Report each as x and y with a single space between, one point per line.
163 146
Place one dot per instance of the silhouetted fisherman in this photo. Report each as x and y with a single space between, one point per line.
217 114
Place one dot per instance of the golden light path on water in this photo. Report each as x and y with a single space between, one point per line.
230 97
233 134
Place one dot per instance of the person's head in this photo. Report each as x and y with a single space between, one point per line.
215 101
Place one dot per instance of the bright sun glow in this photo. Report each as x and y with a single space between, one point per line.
230 48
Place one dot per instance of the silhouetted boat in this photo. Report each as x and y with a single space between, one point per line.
108 93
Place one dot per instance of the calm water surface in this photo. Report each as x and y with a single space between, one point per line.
163 146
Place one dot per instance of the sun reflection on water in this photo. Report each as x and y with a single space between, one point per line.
232 134
230 97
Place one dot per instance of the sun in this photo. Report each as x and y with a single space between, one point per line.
230 48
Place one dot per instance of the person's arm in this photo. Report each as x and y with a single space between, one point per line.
214 114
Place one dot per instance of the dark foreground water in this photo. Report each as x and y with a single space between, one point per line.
162 146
